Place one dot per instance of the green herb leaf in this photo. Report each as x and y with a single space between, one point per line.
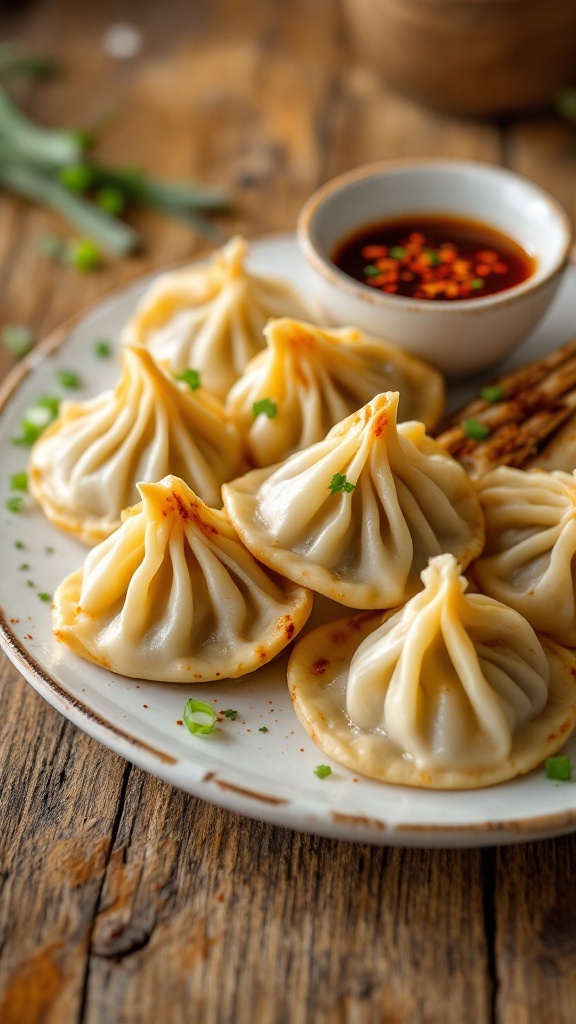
15 503
475 430
85 255
558 768
371 271
189 377
24 567
267 406
18 339
492 393
45 597
231 714
75 177
263 728
323 771
111 199
199 717
31 584
69 379
397 252
340 483
477 283
19 482
19 545
102 349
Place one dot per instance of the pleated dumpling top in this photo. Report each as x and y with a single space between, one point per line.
357 516
309 378
85 466
209 317
173 595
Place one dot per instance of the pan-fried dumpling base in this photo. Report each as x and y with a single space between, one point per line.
529 561
85 466
209 317
315 378
399 499
452 691
174 596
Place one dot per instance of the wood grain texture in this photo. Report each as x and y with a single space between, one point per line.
121 899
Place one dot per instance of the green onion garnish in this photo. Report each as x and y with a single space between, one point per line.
477 283
31 584
340 483
371 271
267 406
558 768
199 717
475 430
15 503
76 177
189 377
397 252
18 339
102 349
37 419
230 713
69 379
492 393
85 255
111 199
24 567
45 597
263 728
19 545
323 771
19 482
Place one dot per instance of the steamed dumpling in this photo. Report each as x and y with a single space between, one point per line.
209 317
357 516
530 557
453 691
308 379
174 596
84 467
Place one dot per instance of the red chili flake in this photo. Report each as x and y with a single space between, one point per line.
500 268
417 237
483 269
487 256
391 288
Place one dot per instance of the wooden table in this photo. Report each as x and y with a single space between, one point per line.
121 899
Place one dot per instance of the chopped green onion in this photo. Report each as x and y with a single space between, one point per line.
18 339
200 725
263 728
50 551
45 597
492 393
36 420
340 483
475 430
434 258
189 377
19 545
102 349
24 567
19 482
323 771
230 713
397 252
15 503
477 283
558 768
31 584
69 379
75 177
267 406
85 255
371 271
111 199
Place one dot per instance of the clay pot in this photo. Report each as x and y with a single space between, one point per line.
469 56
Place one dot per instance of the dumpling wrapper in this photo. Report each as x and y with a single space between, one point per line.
174 596
452 691
529 561
210 316
364 546
84 468
317 377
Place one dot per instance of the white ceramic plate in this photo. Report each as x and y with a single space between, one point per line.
264 775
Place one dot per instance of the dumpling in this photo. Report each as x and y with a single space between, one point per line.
174 596
357 516
209 317
308 379
452 691
530 557
84 467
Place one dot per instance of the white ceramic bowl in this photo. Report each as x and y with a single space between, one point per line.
460 338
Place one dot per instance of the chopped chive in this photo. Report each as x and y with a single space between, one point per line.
263 728
50 551
323 771
340 483
492 393
397 252
371 271
31 584
85 255
102 348
111 199
19 482
189 377
267 406
24 567
15 503
76 177
19 545
475 430
69 379
230 713
199 725
18 339
45 597
36 420
476 283
558 768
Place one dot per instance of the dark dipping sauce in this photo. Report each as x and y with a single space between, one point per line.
434 257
